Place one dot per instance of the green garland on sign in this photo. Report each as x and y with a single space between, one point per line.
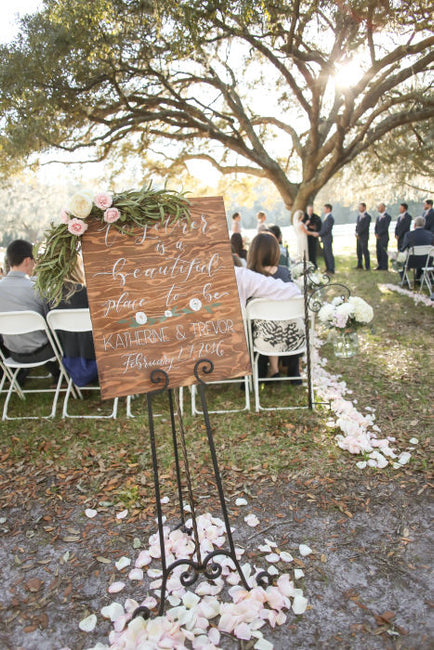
56 258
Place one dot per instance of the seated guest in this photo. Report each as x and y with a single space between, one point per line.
419 236
78 347
237 246
284 255
17 293
263 257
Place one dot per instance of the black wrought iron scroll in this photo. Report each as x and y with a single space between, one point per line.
196 565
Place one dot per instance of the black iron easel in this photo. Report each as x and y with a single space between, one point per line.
208 566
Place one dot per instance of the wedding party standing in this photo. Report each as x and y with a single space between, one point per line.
313 223
382 224
362 237
402 225
428 215
301 233
326 234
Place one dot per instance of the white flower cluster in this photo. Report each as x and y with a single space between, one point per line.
341 314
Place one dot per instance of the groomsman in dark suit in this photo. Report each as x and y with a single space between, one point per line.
402 225
313 223
428 214
382 236
326 234
362 236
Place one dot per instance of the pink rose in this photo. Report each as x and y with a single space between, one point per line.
111 215
64 216
103 200
77 227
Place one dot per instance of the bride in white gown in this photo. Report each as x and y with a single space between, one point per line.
300 232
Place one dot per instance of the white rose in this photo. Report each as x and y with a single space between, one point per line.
80 205
141 317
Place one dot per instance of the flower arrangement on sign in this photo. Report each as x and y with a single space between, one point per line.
124 211
346 315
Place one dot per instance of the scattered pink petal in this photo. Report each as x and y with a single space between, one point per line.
122 563
304 550
136 574
90 513
272 557
242 631
299 604
251 520
122 515
240 501
116 587
88 624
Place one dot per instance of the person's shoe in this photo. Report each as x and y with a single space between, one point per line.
358 268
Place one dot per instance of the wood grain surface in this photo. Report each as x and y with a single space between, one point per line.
163 299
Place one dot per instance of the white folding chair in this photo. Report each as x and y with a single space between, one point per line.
416 259
14 323
236 382
75 320
428 271
275 311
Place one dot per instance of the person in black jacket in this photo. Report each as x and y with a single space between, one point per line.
428 214
382 236
313 223
402 225
362 236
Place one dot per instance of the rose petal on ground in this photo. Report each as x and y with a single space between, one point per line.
272 557
143 559
113 611
299 604
298 573
286 557
304 550
251 520
90 513
164 500
122 515
88 624
263 644
240 501
404 458
116 587
122 563
414 441
361 464
273 571
270 543
242 631
136 574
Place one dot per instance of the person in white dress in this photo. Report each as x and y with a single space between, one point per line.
300 232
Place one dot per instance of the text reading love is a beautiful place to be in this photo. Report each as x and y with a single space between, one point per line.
164 298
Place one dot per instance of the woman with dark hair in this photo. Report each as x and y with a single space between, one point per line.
78 347
263 257
237 246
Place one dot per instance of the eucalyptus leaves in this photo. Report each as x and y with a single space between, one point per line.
56 258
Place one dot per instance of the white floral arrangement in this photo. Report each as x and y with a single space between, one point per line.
346 314
124 212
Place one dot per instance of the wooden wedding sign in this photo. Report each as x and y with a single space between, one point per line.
164 298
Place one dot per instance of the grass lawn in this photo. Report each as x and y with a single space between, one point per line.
286 462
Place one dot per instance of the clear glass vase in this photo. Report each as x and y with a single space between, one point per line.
345 344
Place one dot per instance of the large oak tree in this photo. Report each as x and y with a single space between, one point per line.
250 86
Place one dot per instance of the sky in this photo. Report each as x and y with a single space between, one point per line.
8 16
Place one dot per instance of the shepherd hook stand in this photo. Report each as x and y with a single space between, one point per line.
194 567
